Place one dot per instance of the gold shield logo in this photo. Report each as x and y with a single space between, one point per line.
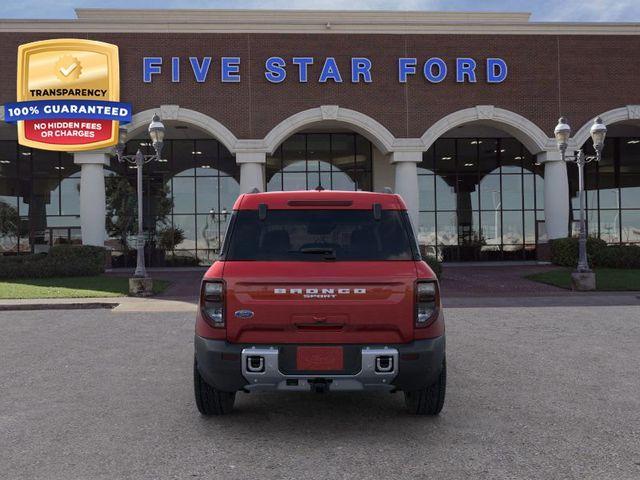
74 73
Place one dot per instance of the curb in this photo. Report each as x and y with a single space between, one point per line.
57 306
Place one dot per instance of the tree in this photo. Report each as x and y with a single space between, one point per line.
169 237
122 208
9 221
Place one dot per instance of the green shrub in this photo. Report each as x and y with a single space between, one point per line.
564 252
434 263
181 261
170 237
61 261
618 256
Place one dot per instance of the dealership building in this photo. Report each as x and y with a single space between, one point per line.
453 111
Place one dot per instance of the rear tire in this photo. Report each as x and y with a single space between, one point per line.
429 400
209 400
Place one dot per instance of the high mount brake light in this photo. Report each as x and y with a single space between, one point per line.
427 302
212 302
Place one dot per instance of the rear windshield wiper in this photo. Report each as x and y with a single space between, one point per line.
329 253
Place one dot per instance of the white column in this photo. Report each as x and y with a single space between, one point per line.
93 208
406 176
556 195
251 170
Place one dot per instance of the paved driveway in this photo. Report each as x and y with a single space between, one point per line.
550 392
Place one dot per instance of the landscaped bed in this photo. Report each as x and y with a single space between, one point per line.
607 279
71 287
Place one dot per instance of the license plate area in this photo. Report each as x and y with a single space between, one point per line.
288 360
320 359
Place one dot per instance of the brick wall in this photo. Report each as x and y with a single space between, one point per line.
578 76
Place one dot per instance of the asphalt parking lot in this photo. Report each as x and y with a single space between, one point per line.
544 392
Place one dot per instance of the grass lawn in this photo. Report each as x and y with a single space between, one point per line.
607 279
71 287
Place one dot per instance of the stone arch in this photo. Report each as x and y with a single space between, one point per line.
382 138
141 120
527 132
622 114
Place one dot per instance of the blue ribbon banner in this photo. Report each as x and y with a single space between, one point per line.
67 109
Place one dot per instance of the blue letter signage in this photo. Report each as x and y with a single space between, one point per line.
429 70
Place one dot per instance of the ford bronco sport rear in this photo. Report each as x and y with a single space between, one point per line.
317 291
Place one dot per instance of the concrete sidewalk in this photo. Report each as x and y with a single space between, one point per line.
473 286
181 304
117 304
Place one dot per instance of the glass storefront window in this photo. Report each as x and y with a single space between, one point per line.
8 159
475 193
183 194
427 229
487 196
630 190
182 157
609 226
630 223
206 194
511 155
447 233
490 193
612 191
70 195
445 195
530 228
199 181
337 161
426 187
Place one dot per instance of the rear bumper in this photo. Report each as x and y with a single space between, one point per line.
225 366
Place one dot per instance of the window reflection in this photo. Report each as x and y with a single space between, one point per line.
305 161
200 180
487 194
612 191
630 221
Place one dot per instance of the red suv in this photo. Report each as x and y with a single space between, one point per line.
319 291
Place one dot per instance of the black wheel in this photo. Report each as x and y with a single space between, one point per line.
429 400
209 400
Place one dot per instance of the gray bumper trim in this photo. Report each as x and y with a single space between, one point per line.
271 378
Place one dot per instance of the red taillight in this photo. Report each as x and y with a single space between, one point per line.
427 302
212 302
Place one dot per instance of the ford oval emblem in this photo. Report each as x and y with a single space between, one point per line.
244 314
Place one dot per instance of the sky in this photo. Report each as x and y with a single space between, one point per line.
542 10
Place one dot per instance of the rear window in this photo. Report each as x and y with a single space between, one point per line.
319 235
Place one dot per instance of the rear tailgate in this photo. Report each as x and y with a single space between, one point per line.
320 302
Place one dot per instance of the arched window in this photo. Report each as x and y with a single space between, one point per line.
612 189
480 199
334 161
192 190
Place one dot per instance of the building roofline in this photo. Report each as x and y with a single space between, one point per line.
310 21
285 15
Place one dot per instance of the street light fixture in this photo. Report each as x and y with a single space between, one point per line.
156 133
598 133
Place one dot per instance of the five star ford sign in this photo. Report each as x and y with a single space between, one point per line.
68 95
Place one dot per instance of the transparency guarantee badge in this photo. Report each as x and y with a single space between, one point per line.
68 95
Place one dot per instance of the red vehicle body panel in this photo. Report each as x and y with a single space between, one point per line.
316 302
323 199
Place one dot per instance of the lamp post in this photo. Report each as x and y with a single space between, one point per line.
156 133
210 230
583 278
